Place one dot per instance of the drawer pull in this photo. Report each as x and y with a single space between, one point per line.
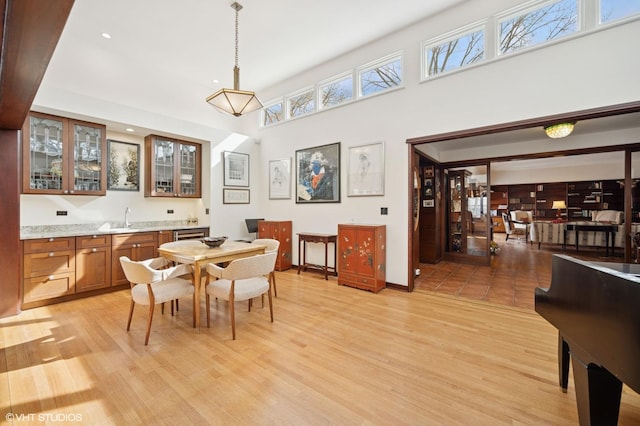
95 236
51 277
93 250
52 254
50 240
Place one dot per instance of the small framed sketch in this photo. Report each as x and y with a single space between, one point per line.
124 166
366 170
280 179
235 196
236 169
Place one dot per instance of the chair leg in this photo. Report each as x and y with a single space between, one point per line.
130 314
270 304
151 307
172 308
273 281
162 308
232 311
208 302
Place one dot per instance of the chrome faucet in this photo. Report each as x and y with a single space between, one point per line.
126 217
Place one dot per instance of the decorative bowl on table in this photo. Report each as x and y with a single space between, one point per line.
214 241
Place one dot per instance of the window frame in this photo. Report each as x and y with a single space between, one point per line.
525 9
385 60
266 106
335 79
449 36
287 99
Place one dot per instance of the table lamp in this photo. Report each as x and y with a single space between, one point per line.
559 205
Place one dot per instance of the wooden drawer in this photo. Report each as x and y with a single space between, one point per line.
47 287
52 263
43 245
90 241
138 238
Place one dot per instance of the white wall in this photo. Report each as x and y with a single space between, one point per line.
593 70
85 209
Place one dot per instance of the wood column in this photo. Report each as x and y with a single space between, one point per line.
10 223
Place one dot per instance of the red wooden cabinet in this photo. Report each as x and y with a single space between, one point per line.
281 231
362 256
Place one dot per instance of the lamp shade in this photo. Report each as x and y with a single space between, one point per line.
235 102
559 205
560 130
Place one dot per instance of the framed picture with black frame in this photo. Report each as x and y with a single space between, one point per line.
318 174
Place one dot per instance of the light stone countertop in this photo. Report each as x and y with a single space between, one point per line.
58 231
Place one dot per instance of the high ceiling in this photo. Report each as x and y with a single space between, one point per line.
164 55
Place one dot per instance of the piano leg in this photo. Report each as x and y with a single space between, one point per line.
563 362
597 394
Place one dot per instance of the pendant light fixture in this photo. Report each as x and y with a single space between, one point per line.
235 101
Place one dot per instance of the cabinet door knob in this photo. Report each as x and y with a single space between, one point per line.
93 250
65 192
51 277
95 236
50 239
52 254
71 192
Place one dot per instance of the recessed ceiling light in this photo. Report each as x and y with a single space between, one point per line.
129 129
106 35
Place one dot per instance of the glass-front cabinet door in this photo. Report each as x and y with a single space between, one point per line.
63 156
173 168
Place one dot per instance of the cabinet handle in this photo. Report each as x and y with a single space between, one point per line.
50 239
51 277
95 236
93 250
52 254
65 192
71 192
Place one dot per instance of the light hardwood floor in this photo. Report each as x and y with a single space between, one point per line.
334 355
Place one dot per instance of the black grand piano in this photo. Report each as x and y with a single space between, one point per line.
596 309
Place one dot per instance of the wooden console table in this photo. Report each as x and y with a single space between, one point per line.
309 237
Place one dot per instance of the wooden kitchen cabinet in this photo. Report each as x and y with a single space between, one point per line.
173 168
137 246
281 231
93 262
48 268
362 256
63 156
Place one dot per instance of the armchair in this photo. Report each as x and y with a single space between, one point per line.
151 285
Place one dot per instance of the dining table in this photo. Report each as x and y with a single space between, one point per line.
199 255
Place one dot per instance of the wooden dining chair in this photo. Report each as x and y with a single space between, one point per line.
151 285
242 279
272 247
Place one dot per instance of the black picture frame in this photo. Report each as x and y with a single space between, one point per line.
123 166
318 174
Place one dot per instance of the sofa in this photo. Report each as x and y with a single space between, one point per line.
553 233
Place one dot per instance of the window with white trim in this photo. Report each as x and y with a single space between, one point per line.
272 113
552 21
335 91
613 10
300 103
447 54
381 75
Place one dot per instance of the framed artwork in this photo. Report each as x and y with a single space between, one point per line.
280 179
123 169
366 170
235 196
236 169
318 174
